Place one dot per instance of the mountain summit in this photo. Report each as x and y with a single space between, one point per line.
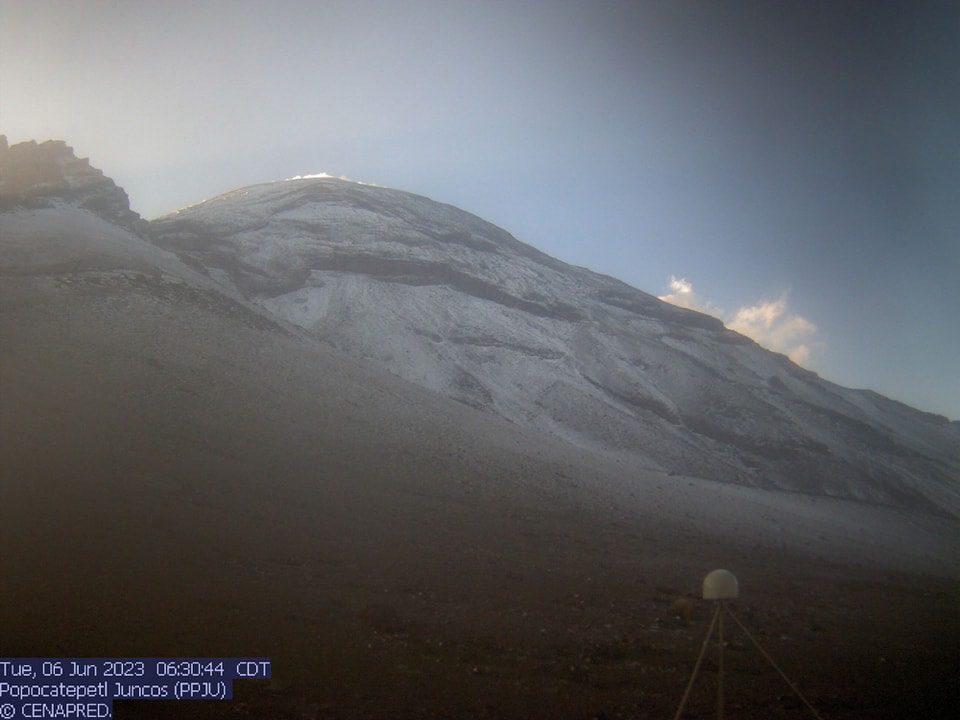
450 302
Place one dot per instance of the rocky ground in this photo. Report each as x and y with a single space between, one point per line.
556 621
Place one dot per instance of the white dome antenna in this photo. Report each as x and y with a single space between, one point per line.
720 585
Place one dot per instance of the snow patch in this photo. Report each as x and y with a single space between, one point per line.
328 176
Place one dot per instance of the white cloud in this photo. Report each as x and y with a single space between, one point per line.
771 325
684 296
681 285
768 322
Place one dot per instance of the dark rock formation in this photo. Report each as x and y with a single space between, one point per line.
40 175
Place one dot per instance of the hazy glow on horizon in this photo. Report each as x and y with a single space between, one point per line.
807 146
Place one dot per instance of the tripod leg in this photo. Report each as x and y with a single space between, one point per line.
775 666
696 668
721 605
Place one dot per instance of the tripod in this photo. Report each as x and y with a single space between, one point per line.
717 621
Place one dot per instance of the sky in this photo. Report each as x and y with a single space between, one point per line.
790 167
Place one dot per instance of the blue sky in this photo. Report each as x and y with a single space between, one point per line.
793 167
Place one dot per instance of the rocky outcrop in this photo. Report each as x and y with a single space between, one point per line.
41 175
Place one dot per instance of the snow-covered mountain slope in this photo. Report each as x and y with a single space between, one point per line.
455 304
137 393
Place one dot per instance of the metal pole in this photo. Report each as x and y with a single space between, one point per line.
720 607
696 668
